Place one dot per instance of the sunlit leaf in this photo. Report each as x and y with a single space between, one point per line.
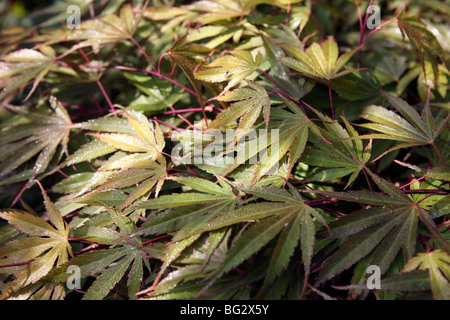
234 68
106 29
45 246
37 133
318 61
411 128
437 263
21 66
248 104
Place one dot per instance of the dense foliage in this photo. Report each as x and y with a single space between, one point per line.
351 179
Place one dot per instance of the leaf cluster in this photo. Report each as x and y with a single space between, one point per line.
117 161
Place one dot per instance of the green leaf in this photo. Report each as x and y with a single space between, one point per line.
291 140
97 234
250 102
143 167
109 278
173 252
186 56
344 153
105 29
318 61
21 66
234 68
437 263
387 228
291 210
89 263
38 133
45 246
424 42
357 247
283 251
249 243
412 129
135 277
407 281
441 208
89 151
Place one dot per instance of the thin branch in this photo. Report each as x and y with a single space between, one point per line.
143 51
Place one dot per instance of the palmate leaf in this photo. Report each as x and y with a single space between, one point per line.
110 265
300 226
345 155
249 243
437 263
45 246
424 42
266 149
186 56
105 29
411 129
21 66
387 228
357 86
234 68
227 230
35 132
153 173
145 139
318 61
213 199
281 210
249 102
140 162
292 137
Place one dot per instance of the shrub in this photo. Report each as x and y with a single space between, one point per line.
244 149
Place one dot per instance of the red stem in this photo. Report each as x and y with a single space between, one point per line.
159 62
375 30
439 154
15 264
155 239
362 29
168 125
183 118
288 10
410 183
162 77
100 85
176 111
143 51
331 102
